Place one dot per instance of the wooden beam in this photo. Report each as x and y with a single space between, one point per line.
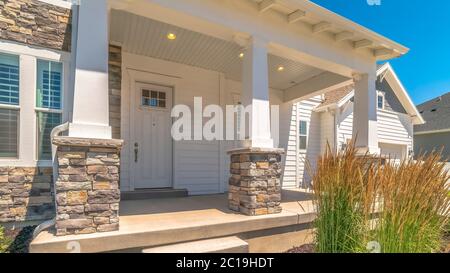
265 5
362 44
342 36
320 27
296 16
382 52
316 85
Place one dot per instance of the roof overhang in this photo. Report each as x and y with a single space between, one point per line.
388 73
343 29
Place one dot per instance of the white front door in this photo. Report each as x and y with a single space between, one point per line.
152 144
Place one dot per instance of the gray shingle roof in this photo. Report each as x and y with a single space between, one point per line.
436 113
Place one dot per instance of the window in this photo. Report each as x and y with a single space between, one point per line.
48 104
153 98
303 134
380 101
9 105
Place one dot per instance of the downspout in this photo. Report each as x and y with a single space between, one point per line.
55 132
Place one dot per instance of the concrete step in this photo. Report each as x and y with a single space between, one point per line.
230 244
153 193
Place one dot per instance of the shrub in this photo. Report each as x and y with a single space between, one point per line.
4 240
415 205
343 187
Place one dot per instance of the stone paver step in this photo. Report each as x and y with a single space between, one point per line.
231 244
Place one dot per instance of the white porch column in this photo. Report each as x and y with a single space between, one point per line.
90 106
255 94
365 113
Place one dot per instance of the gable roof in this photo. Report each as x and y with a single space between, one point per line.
436 113
338 97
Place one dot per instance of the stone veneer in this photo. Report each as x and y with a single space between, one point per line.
36 23
254 185
87 186
26 194
115 85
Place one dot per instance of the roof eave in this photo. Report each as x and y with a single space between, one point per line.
349 25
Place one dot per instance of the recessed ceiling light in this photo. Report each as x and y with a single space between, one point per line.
241 55
171 36
280 68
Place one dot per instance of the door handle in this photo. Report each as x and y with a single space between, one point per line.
136 151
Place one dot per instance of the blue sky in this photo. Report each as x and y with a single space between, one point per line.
421 25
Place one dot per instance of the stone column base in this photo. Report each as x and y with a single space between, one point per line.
87 185
254 185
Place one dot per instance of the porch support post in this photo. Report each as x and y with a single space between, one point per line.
254 185
255 93
365 114
90 106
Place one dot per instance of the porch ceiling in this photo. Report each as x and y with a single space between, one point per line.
145 36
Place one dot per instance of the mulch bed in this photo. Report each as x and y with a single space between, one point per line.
308 248
21 239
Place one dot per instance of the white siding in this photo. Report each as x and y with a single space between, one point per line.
345 124
288 141
308 156
393 128
294 169
196 164
201 167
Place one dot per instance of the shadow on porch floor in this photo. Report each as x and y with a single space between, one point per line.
195 203
154 222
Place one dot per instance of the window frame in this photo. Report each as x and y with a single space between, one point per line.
14 107
382 96
38 110
27 129
303 135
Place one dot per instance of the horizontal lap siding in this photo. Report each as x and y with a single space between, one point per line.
288 141
305 112
196 164
395 128
345 125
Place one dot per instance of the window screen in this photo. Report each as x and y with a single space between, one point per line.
9 124
9 79
45 123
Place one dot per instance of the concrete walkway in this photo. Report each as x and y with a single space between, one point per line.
146 223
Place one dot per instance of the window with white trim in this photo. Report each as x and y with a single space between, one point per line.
303 134
48 104
9 106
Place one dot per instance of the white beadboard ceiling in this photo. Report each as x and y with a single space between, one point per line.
144 36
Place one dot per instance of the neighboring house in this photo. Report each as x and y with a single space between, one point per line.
111 71
434 135
330 122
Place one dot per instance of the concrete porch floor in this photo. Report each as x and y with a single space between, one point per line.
154 222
